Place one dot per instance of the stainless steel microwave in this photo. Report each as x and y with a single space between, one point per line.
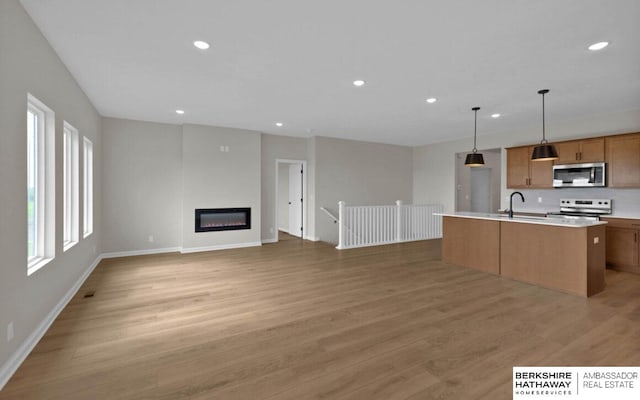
580 175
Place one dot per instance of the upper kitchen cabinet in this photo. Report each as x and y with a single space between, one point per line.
522 173
580 151
623 160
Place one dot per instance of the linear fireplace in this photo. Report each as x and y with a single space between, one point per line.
222 219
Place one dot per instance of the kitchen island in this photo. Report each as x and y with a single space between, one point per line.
566 255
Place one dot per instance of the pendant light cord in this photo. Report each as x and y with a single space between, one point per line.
475 125
544 139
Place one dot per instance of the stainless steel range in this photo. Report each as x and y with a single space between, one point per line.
589 209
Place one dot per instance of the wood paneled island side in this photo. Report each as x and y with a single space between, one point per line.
566 256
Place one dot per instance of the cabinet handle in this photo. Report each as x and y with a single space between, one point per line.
577 157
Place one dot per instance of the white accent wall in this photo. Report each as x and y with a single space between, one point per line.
28 64
212 178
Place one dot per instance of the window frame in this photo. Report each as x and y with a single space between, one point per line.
88 179
71 187
40 168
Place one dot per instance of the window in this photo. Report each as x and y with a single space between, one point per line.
88 187
71 186
40 184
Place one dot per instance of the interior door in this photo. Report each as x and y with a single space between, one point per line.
295 199
480 189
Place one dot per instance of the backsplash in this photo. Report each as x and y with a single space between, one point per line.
626 202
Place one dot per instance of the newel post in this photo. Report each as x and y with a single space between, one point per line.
398 220
341 237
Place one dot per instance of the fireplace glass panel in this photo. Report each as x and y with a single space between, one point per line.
222 219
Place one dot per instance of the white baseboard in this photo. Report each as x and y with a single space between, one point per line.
17 358
272 240
141 252
219 247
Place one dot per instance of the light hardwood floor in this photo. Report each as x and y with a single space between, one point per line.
301 320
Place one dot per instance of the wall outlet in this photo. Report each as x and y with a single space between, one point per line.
94 250
10 332
596 240
270 230
539 199
151 239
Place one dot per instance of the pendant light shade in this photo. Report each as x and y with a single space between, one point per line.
474 159
544 151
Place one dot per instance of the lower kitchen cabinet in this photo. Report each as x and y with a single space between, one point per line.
623 244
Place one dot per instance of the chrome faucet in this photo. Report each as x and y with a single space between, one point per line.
511 203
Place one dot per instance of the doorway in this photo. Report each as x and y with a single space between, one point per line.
478 188
290 210
480 194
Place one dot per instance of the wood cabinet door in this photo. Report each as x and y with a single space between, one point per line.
623 158
569 152
540 173
622 246
592 150
518 167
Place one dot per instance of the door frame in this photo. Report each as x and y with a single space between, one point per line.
280 161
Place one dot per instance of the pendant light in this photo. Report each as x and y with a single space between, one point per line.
474 159
544 151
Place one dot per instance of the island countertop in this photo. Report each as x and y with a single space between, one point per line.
573 223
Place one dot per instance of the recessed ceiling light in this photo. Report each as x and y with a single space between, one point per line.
496 115
202 45
598 46
358 82
279 124
180 112
431 100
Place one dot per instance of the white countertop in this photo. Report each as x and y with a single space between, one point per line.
630 216
573 223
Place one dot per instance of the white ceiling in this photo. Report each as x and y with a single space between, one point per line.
294 61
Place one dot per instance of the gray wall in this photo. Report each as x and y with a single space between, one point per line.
434 165
29 64
142 186
359 173
215 179
276 147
